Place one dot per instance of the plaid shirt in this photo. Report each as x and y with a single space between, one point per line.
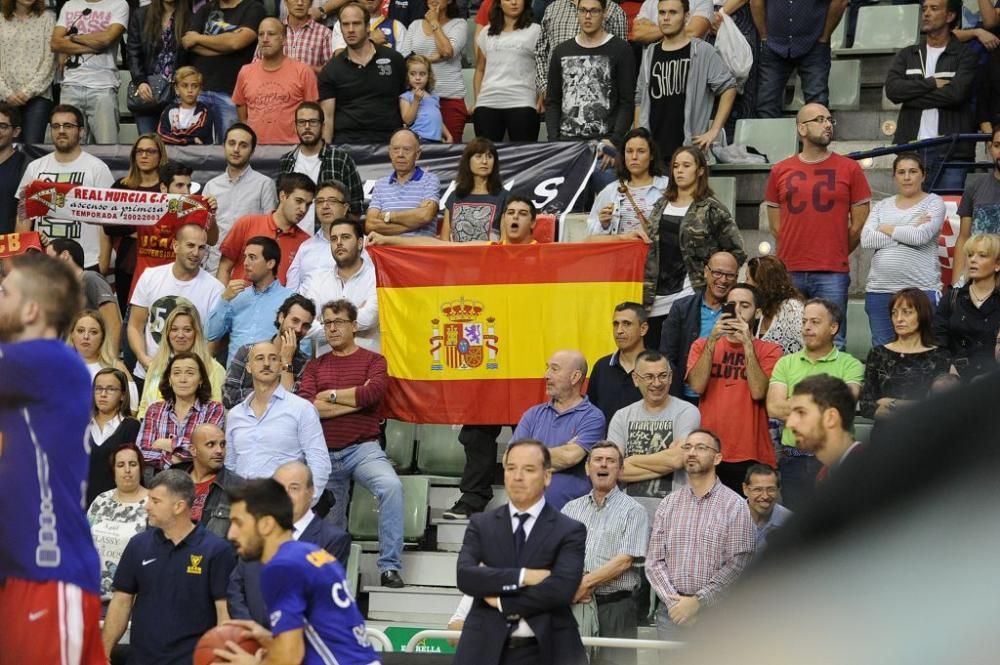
310 44
560 23
161 422
334 164
239 383
699 546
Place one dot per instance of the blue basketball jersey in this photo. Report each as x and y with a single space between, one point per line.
305 587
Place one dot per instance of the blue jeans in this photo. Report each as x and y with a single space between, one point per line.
100 109
830 286
367 465
798 480
813 68
879 319
950 180
221 110
667 630
34 120
146 124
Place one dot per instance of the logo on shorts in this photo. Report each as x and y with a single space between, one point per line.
35 616
195 567
467 341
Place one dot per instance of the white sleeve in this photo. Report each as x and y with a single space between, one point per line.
119 14
141 296
648 11
463 609
703 8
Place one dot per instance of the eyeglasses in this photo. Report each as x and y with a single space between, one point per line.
757 491
337 323
107 389
5 126
589 12
312 122
700 448
719 274
330 201
820 120
662 377
147 151
58 126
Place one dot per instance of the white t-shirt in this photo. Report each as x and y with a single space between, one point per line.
96 70
929 117
157 290
84 170
509 80
308 166
650 11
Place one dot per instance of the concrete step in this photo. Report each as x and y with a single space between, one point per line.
450 533
443 498
418 605
420 568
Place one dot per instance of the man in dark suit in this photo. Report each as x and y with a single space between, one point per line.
244 594
522 563
822 417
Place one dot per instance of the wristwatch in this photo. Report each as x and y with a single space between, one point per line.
322 11
288 368
332 397
385 216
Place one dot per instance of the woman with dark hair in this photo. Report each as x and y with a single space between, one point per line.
118 513
903 230
440 36
507 99
781 304
903 370
153 48
27 64
111 425
165 435
473 211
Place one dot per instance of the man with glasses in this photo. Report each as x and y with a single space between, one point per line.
66 163
12 163
817 204
406 201
762 488
347 386
315 257
689 573
694 316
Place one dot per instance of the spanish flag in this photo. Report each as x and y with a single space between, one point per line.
466 331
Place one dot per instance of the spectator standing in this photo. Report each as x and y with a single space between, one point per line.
305 40
97 293
507 99
979 210
903 230
473 210
269 90
12 162
383 30
315 257
968 319
568 424
762 488
612 385
794 37
810 199
902 371
220 40
646 26
780 303
86 37
111 426
419 106
153 48
406 201
67 163
186 121
933 80
239 190
118 513
745 105
359 88
440 36
691 573
347 386
681 80
27 65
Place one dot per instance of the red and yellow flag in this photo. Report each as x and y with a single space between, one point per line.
466 331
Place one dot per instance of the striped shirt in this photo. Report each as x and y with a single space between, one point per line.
620 526
310 44
161 422
390 195
699 545
908 257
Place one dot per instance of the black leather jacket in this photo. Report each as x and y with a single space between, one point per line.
142 54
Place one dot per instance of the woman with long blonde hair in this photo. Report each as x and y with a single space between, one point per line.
89 336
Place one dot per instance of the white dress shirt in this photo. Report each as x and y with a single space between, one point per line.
523 629
360 290
299 527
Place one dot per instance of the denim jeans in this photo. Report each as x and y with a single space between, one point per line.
34 120
830 286
879 319
813 68
100 109
367 465
798 480
950 180
146 124
221 110
667 630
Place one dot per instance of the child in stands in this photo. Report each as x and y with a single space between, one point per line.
420 108
186 122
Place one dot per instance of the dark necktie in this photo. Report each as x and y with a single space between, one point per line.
520 535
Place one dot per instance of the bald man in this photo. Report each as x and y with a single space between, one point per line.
269 90
810 198
211 479
568 424
244 594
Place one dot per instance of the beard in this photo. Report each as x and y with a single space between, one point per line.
10 327
253 550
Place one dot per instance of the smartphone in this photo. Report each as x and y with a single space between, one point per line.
728 308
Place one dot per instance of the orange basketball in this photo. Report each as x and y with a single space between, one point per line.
216 638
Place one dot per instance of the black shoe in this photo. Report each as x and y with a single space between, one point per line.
392 579
459 511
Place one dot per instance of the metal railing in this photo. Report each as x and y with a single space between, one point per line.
951 141
376 635
604 642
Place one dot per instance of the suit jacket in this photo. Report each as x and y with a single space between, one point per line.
556 543
244 595
680 330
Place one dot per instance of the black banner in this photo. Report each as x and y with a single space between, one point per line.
552 174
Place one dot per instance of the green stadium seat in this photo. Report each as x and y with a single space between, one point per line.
775 137
837 38
126 78
469 54
884 29
362 522
725 191
845 87
127 133
859 335
439 452
863 432
353 568
400 443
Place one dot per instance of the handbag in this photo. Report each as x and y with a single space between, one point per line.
735 50
163 94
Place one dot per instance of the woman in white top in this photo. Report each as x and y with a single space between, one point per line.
507 100
88 335
27 64
903 230
440 36
111 425
118 514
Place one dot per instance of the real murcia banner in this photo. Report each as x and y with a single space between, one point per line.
96 205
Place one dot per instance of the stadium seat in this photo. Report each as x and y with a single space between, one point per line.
725 192
863 431
774 137
845 87
859 335
439 452
469 54
126 78
362 523
545 228
837 38
400 442
353 568
884 29
127 133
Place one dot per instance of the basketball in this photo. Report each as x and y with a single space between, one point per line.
216 638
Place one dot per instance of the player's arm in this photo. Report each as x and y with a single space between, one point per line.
116 620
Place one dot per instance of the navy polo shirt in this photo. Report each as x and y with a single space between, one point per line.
610 387
175 589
